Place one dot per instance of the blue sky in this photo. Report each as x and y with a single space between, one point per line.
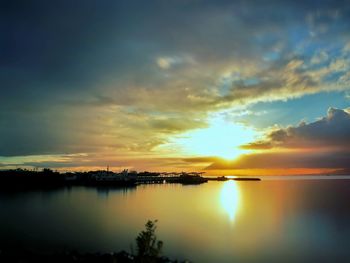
291 112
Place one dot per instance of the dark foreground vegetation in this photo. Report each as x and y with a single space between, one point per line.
148 250
22 179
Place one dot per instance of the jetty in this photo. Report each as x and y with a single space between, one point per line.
219 178
247 179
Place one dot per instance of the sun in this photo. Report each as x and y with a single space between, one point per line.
221 138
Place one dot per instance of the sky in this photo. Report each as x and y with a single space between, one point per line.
225 87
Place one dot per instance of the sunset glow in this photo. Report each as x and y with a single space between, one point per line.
220 139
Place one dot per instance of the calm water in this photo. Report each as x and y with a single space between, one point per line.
267 221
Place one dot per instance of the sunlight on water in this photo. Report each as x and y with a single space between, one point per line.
230 199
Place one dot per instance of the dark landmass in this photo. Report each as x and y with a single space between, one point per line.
23 179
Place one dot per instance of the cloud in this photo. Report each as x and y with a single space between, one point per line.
169 125
201 159
319 58
171 61
330 132
164 63
345 171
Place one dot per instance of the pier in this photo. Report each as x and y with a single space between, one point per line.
183 178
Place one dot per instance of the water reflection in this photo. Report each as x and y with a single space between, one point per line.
230 199
105 191
231 221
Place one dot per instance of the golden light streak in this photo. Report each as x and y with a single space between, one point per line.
230 199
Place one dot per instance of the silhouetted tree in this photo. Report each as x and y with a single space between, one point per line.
148 247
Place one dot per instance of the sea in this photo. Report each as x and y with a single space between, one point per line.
277 219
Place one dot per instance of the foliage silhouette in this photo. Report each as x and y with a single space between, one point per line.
148 247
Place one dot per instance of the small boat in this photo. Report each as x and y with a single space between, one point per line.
222 178
190 179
